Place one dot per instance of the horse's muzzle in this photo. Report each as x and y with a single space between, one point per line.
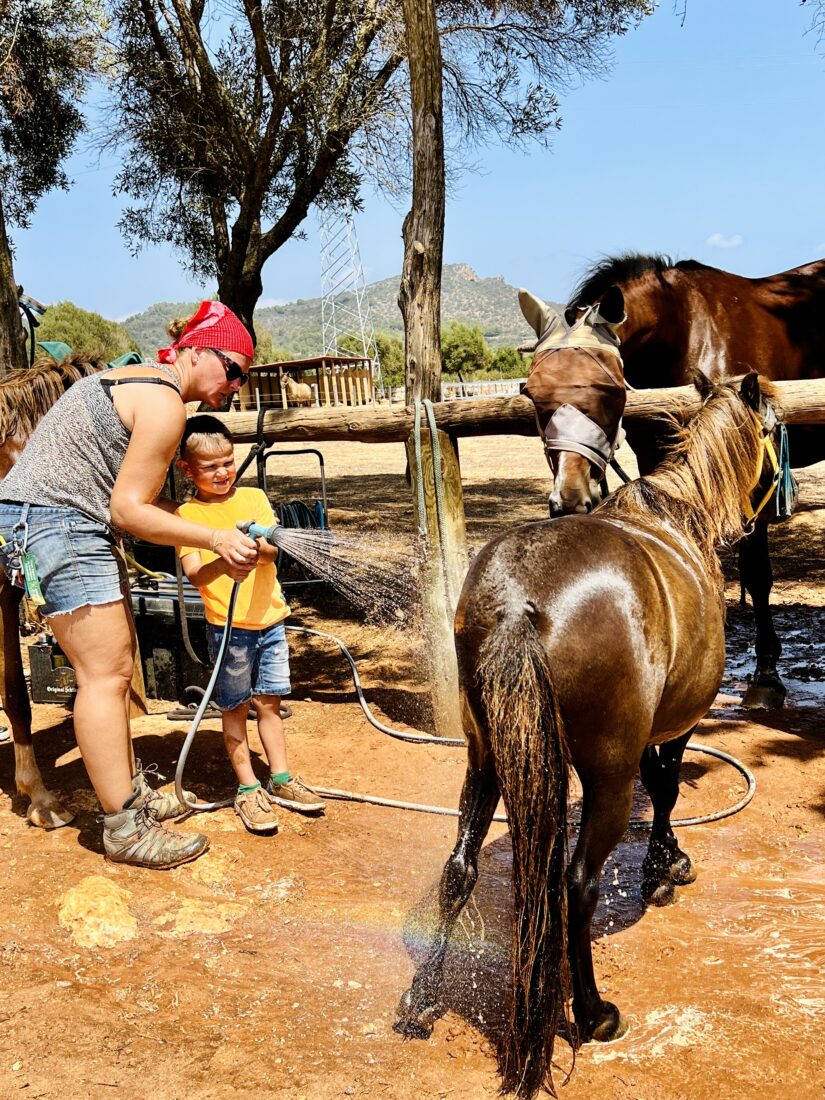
566 505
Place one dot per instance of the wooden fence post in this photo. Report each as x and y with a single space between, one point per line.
443 574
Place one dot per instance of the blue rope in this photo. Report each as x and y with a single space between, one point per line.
786 486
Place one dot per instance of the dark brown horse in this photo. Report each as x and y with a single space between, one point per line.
687 316
590 639
25 397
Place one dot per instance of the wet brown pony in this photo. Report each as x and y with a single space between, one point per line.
685 316
587 640
25 397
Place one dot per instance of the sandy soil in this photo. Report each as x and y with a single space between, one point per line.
272 966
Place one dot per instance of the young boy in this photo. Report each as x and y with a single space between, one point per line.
256 666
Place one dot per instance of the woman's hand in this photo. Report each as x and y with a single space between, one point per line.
236 549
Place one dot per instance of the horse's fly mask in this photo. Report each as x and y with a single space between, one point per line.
570 428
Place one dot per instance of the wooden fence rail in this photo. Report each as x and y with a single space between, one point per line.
802 403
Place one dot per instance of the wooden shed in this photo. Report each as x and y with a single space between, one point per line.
333 379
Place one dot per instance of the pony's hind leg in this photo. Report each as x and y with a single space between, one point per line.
419 1007
605 814
665 864
45 810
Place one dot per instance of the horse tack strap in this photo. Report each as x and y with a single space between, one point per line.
767 448
783 483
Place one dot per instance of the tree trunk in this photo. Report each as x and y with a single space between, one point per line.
242 296
12 346
419 297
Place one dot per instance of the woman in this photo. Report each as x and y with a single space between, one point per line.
92 469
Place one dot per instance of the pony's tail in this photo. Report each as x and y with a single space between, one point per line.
527 737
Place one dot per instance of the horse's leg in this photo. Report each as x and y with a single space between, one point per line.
766 689
665 864
418 1008
44 810
605 814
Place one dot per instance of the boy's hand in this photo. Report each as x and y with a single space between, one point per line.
239 572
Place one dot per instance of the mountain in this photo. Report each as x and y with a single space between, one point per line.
489 304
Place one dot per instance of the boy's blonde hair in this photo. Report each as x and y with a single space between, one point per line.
204 434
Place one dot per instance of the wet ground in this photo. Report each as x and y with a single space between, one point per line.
272 966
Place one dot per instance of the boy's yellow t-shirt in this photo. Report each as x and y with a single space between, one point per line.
260 603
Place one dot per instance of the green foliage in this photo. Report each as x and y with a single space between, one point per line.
149 327
85 331
391 354
48 50
463 350
509 363
235 118
465 354
266 351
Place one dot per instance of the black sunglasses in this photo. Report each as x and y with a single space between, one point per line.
234 372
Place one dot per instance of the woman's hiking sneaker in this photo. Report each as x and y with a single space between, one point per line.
254 808
134 835
162 805
295 795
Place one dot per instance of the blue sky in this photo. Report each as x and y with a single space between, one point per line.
705 141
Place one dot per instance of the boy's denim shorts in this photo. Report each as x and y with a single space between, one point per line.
77 561
256 663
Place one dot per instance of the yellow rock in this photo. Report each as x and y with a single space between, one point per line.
96 914
211 869
205 917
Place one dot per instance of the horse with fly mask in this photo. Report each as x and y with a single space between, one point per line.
577 385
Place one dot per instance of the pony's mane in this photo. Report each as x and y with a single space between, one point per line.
616 270
705 484
26 395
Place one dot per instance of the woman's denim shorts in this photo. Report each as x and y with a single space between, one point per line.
256 663
77 561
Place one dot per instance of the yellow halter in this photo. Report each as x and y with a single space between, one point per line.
768 448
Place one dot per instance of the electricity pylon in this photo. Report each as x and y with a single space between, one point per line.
345 307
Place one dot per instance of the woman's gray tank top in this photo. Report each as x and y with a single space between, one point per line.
75 453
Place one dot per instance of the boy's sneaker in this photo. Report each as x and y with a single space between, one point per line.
133 835
255 811
163 806
295 795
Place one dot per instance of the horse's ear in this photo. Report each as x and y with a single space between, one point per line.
537 313
750 392
702 383
611 307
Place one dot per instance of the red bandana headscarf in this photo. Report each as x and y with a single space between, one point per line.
213 326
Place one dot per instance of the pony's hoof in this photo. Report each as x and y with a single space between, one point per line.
413 1023
49 817
768 694
412 1029
659 894
682 871
612 1025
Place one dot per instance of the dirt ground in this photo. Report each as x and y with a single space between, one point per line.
272 966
